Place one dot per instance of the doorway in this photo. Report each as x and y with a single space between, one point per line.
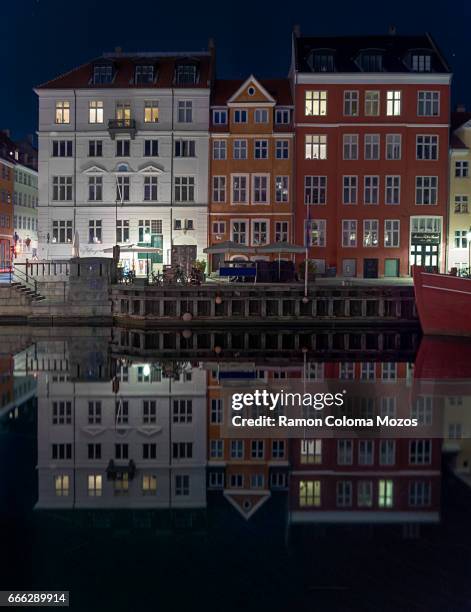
184 255
370 268
349 267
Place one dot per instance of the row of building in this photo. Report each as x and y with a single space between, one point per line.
350 156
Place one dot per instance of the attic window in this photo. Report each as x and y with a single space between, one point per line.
102 74
371 62
251 91
421 62
144 74
185 74
323 62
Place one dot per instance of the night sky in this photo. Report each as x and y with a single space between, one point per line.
40 39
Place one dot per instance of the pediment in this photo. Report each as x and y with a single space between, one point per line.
251 91
150 169
94 170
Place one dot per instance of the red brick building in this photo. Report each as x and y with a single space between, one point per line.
371 164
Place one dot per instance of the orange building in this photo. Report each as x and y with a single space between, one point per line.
8 155
251 161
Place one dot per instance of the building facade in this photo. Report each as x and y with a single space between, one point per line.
123 157
25 209
371 123
251 180
7 162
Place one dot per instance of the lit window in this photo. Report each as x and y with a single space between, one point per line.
151 111
315 146
95 111
393 103
62 111
316 103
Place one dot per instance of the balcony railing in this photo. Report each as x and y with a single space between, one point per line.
121 126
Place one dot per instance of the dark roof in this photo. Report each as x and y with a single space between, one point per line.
395 50
7 148
224 89
458 118
456 143
124 70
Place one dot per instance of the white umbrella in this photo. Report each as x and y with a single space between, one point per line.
76 245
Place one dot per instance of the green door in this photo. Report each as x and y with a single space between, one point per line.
154 258
391 267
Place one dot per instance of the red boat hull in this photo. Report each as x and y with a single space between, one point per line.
443 303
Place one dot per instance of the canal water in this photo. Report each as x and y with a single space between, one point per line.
120 483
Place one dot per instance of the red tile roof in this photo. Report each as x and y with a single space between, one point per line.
124 68
279 89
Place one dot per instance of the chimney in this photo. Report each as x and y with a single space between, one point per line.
118 50
460 108
392 30
297 30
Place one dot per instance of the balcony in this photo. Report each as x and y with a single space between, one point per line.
122 126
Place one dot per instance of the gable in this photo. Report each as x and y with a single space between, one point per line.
251 91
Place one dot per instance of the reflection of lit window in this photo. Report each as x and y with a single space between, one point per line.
121 484
149 484
94 485
61 484
311 451
310 493
385 494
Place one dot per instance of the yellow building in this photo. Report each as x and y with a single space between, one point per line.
460 191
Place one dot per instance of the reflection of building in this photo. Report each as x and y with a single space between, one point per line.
372 151
123 156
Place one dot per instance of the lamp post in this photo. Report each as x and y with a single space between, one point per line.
147 240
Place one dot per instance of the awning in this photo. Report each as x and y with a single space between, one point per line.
281 247
228 247
134 249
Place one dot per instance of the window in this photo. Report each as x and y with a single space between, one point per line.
123 148
316 103
371 61
389 371
237 449
371 103
260 189
94 451
62 451
371 189
350 103
387 452
323 61
282 116
281 231
122 231
278 449
309 493
426 188
462 169
185 111
149 412
315 146
219 189
428 103
182 411
219 117
344 494
257 481
317 232
216 411
102 74
182 450
392 233
62 188
461 241
455 431
150 188
184 148
346 370
149 450
421 62
239 232
61 413
186 74
61 148
393 103
461 204
94 231
151 148
427 147
372 146
237 481
61 485
216 449
95 188
121 483
94 485
368 371
257 449
370 232
393 190
184 189
282 149
144 74
182 485
344 452
240 116
350 189
366 452
94 412
239 189
95 148
365 494
240 149
311 451
259 232
216 480
350 146
219 149
385 493
122 188
62 232
151 111
261 115
420 493
393 146
315 189
219 227
281 188
349 233
95 111
62 111
261 149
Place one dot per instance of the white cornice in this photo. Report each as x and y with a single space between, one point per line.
345 78
354 124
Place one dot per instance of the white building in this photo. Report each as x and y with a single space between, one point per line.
123 157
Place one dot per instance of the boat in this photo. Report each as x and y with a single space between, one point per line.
443 302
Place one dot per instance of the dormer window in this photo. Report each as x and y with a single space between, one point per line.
421 62
323 61
185 74
371 61
102 75
144 74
